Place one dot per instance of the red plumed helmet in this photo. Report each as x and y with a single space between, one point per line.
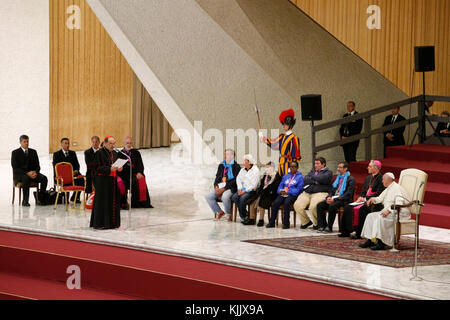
285 114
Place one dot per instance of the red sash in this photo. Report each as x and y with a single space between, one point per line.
356 209
142 189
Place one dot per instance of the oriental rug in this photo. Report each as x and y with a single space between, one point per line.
429 253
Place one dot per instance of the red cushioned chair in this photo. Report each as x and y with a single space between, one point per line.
65 182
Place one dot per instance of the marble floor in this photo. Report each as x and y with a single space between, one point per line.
182 224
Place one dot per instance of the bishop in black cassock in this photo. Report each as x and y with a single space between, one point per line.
140 197
106 207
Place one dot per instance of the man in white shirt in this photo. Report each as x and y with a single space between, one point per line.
379 227
247 182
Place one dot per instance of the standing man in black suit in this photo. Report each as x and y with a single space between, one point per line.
351 129
66 155
26 169
89 158
394 137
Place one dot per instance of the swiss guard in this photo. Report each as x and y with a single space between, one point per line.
287 143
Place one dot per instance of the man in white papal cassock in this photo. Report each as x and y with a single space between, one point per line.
379 226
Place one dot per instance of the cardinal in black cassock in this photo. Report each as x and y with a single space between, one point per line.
140 197
106 207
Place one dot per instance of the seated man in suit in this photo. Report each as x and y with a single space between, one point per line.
89 158
443 129
394 137
340 195
26 169
66 155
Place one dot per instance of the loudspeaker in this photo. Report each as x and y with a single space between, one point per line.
311 107
424 59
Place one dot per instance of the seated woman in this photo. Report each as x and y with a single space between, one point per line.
265 195
288 191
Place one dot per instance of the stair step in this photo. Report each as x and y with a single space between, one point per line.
422 152
15 286
437 172
436 193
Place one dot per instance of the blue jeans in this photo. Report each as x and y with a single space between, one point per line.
241 202
212 197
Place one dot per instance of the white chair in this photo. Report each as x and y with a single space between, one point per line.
414 182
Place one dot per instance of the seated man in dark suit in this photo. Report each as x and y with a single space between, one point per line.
394 137
26 169
89 158
66 155
340 195
443 129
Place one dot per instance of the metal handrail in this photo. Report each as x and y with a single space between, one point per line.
368 129
366 114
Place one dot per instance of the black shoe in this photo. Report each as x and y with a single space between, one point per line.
367 244
25 204
248 222
270 225
379 246
327 230
286 227
355 237
320 230
315 227
343 235
306 225
261 223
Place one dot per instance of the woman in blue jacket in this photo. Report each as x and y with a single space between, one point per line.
290 188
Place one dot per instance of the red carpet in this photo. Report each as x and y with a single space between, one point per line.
434 160
117 273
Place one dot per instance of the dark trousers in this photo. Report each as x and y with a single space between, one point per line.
286 202
332 211
347 218
350 150
26 181
241 203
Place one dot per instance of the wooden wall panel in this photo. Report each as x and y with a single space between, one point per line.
404 25
90 81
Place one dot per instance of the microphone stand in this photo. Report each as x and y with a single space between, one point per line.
131 181
417 202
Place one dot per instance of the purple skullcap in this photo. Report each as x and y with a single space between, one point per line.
378 164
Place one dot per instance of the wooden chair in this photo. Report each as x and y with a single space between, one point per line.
414 182
65 183
19 185
281 209
232 205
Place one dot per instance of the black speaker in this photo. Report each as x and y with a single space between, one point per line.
424 59
311 107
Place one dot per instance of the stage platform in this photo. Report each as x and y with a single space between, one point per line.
181 224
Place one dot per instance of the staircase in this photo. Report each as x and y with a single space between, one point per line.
434 160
